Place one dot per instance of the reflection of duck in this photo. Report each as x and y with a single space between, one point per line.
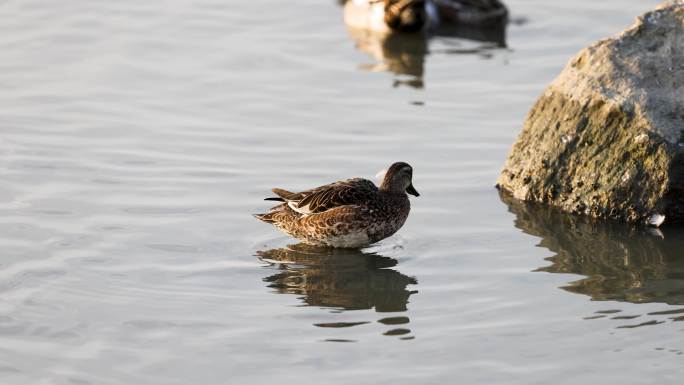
404 53
339 278
421 15
622 263
399 54
343 279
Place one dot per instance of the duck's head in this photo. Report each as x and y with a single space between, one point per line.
405 15
398 178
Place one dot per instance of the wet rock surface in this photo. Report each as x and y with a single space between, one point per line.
606 138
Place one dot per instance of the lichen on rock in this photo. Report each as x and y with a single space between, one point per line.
606 138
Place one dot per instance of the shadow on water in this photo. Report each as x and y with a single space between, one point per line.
404 54
620 262
344 280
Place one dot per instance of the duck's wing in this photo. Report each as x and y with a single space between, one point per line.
319 199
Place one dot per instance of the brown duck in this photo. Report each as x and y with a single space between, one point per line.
351 213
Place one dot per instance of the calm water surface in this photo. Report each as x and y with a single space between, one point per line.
137 137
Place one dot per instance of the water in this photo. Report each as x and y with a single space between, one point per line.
137 137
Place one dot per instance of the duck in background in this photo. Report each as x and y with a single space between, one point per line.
423 15
395 32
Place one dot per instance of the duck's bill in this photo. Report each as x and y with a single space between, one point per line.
412 190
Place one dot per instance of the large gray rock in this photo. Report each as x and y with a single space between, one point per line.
606 138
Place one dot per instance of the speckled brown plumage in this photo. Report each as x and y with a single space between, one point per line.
349 213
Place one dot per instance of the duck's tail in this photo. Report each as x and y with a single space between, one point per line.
282 195
268 218
277 199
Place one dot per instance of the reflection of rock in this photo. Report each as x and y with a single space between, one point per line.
622 263
339 278
605 138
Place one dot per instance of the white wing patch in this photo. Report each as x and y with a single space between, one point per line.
302 210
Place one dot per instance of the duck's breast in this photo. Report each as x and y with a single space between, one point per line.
388 217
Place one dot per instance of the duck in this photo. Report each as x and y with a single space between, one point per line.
422 15
351 213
